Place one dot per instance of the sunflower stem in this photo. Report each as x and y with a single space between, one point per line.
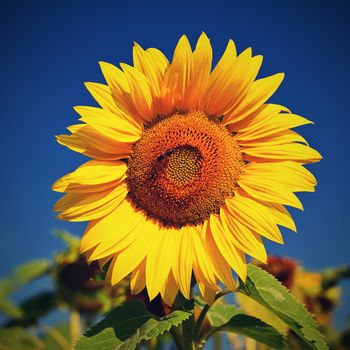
187 334
177 336
75 326
198 324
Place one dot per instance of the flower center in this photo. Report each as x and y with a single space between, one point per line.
182 169
182 165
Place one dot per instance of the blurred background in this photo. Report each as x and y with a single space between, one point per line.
49 48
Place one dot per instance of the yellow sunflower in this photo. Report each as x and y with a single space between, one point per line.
190 167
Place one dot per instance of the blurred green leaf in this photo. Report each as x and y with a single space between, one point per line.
57 337
24 274
126 326
331 277
34 308
219 313
267 291
8 308
253 328
18 339
69 239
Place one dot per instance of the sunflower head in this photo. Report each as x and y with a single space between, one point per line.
190 168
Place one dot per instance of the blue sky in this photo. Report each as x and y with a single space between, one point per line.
50 48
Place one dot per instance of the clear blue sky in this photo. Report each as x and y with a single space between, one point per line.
48 49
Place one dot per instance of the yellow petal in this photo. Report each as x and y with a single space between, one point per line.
90 206
127 235
141 92
281 138
207 294
92 176
183 261
159 260
228 86
80 146
234 257
120 90
222 269
102 140
292 175
291 151
112 228
169 290
103 96
260 91
159 61
268 190
252 72
115 77
281 215
202 264
138 278
202 60
248 241
144 63
254 216
271 126
177 78
128 259
126 125
225 61
260 116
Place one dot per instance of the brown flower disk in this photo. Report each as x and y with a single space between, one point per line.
183 168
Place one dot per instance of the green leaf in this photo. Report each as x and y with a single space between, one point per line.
267 291
18 339
126 326
220 313
253 328
8 308
34 308
331 277
57 337
69 239
24 274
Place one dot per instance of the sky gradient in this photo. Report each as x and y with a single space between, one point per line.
50 48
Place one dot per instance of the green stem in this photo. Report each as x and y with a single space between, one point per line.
187 334
198 324
176 334
75 326
217 341
58 338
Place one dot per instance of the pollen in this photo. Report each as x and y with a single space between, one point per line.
182 169
183 165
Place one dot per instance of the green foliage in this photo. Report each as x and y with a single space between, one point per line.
70 240
254 328
58 337
220 313
35 307
24 274
331 277
126 326
18 339
228 318
8 308
267 291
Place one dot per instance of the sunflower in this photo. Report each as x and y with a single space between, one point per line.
190 169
